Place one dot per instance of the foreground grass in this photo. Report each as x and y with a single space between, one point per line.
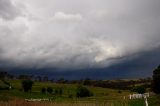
136 102
154 100
57 104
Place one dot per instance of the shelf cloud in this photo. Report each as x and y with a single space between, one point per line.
76 34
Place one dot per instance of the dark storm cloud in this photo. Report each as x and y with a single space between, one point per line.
140 67
77 34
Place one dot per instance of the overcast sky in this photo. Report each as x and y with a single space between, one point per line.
76 34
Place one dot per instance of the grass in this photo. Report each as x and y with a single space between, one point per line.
154 100
99 93
102 96
136 102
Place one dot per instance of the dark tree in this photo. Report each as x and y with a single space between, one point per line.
27 85
43 90
83 92
156 80
58 91
49 90
139 89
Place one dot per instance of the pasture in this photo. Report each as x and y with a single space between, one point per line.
101 97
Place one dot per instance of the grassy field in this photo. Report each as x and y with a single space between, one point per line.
102 96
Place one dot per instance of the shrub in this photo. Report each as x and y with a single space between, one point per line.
49 90
139 89
83 92
58 91
43 90
27 85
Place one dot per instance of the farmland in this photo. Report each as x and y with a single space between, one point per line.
101 97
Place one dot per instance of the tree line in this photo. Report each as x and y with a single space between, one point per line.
153 83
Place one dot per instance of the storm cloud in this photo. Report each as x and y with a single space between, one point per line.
8 10
76 34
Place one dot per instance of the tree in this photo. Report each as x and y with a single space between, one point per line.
27 85
58 91
49 90
156 80
139 89
83 92
43 90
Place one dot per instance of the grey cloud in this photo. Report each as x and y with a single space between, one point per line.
80 34
8 10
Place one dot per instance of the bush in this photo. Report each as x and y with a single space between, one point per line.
49 90
139 89
27 85
43 90
83 92
58 91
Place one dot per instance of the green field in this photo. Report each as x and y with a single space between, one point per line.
101 97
